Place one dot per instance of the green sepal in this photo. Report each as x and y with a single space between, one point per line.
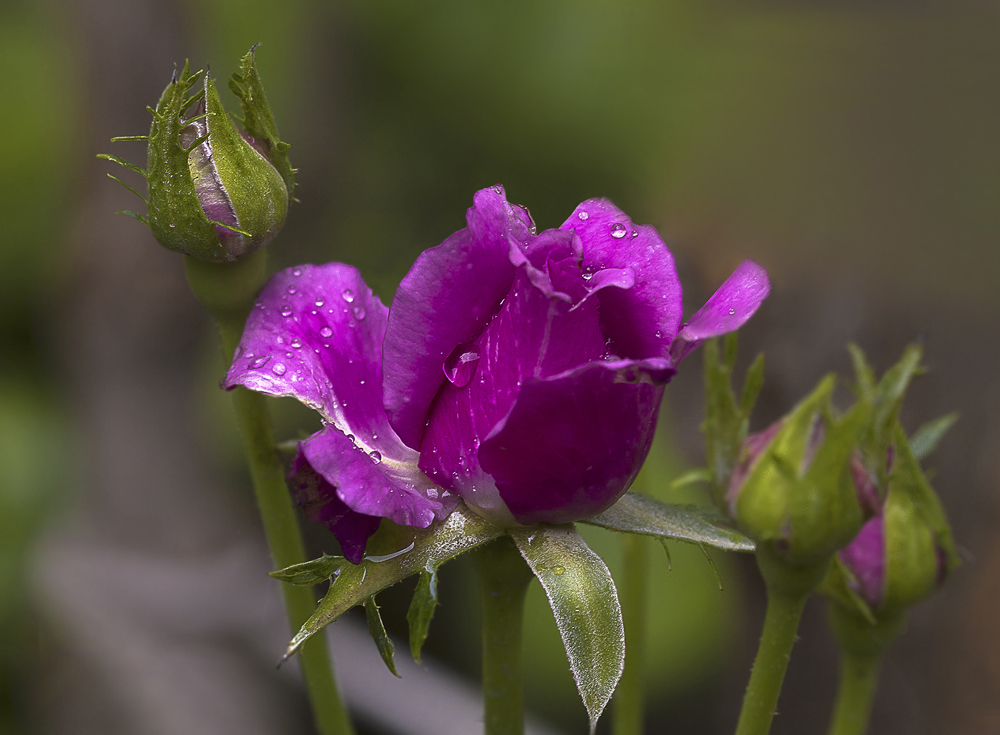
376 628
727 420
257 118
311 572
409 551
585 605
174 213
837 586
926 438
642 514
915 528
421 612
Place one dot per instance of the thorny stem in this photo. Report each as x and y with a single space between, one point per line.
228 291
505 578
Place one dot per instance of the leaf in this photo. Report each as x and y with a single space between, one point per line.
311 572
636 513
425 599
695 476
377 630
585 605
926 438
459 532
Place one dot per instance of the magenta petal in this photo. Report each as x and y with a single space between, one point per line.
573 443
321 504
368 483
643 320
446 299
865 557
726 311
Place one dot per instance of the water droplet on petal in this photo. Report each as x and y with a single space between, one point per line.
279 369
326 332
635 233
259 362
292 290
583 215
376 457
461 365
286 310
618 230
289 355
319 302
297 272
359 313
431 492
498 189
732 312
348 295
296 342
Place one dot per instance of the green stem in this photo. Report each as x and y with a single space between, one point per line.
505 579
788 588
858 677
228 291
861 646
629 710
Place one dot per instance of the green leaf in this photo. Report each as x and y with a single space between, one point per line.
695 476
425 599
752 385
926 438
637 513
585 605
460 532
375 626
311 572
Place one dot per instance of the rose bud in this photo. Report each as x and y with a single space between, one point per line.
215 192
520 372
792 484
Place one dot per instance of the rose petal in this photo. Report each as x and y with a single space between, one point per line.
573 443
865 557
321 504
726 311
446 299
532 336
374 485
316 335
641 321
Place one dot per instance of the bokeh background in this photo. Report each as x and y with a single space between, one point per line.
852 147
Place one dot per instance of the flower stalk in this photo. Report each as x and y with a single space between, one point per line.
629 709
228 290
505 578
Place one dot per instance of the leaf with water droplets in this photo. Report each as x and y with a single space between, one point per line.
430 547
636 513
585 605
425 599
376 628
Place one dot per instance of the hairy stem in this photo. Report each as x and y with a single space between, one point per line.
505 578
228 291
629 709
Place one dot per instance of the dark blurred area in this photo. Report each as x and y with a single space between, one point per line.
851 147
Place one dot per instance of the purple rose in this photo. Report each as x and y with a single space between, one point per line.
520 372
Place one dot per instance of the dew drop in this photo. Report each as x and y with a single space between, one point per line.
376 457
279 369
286 310
584 215
461 364
431 492
259 362
559 570
348 295
618 230
292 290
635 233
289 355
732 311
296 342
326 332
359 313
297 272
319 302
498 189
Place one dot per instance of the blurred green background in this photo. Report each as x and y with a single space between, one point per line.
851 147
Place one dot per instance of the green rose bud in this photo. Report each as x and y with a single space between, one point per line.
792 485
215 192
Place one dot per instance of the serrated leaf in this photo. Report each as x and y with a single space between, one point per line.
585 605
311 572
926 438
460 532
636 513
421 612
376 628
